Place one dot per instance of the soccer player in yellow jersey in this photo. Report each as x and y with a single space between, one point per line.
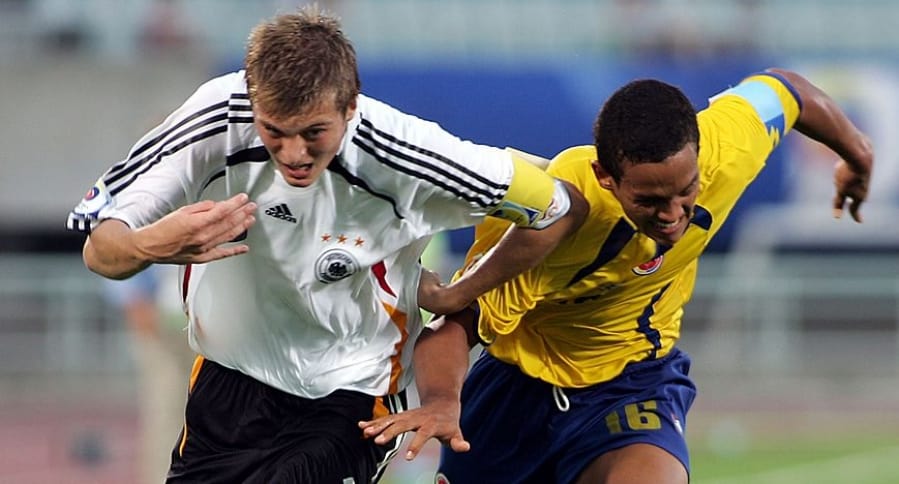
581 380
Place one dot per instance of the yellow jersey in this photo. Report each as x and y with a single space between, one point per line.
609 296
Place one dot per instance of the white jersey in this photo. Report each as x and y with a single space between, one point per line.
326 298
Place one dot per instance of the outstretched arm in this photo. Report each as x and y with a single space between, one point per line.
192 234
822 120
522 248
441 363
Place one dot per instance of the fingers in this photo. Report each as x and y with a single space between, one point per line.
838 202
416 445
220 252
855 210
233 217
383 429
855 204
218 223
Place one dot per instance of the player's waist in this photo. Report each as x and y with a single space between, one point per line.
577 366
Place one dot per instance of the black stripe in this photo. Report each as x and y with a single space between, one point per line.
620 235
455 191
701 217
644 323
111 178
339 169
169 131
212 179
257 153
481 197
157 139
403 401
488 190
174 149
434 155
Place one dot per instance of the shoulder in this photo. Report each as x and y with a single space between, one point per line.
377 115
574 165
766 96
222 88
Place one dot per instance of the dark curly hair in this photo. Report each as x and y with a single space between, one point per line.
645 121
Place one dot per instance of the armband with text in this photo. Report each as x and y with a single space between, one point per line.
534 199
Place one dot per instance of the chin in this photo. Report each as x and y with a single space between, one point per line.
300 183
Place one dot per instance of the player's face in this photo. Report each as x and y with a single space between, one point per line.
658 197
303 145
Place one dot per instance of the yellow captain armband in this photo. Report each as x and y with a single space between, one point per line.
538 161
534 199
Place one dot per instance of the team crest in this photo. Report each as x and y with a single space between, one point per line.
334 265
648 268
441 479
94 200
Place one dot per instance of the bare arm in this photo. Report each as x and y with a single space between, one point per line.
823 121
521 249
192 234
441 363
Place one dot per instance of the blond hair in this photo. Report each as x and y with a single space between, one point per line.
295 61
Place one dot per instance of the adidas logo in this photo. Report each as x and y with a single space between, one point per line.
282 212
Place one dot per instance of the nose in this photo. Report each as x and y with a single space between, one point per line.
671 211
293 150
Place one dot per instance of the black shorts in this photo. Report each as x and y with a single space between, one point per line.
239 430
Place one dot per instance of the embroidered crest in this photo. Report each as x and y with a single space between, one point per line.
94 200
648 268
334 265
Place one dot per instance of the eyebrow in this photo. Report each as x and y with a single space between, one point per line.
694 181
270 126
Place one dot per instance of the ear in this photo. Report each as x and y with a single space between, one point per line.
350 110
605 180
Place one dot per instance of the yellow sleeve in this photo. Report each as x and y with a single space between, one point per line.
773 99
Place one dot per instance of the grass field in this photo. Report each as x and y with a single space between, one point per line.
873 461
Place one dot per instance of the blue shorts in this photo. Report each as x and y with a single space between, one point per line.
519 434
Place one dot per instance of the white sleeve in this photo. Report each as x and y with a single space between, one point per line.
166 168
437 180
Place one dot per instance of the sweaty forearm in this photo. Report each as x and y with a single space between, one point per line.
111 252
441 358
520 250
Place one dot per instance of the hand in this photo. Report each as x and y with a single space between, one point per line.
196 233
852 187
438 420
435 297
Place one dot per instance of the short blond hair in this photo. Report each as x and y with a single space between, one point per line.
295 61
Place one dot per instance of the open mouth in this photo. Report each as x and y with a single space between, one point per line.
298 171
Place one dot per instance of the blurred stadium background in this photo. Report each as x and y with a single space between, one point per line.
794 328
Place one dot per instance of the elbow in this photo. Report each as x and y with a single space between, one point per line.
95 263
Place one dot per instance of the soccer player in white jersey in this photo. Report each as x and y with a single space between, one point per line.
298 209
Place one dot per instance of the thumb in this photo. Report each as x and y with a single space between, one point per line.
459 444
